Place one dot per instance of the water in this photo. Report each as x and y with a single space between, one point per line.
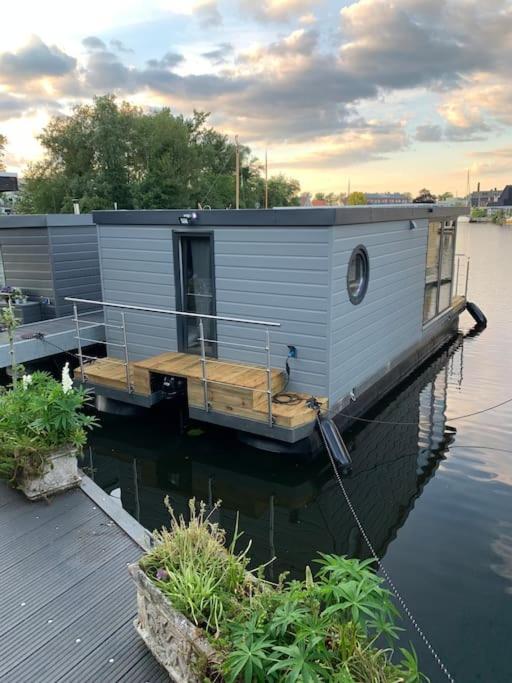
434 495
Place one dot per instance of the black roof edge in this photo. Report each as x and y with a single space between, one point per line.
293 217
51 220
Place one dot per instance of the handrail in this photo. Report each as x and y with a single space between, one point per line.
202 339
146 309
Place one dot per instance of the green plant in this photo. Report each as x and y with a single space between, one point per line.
37 416
328 627
192 567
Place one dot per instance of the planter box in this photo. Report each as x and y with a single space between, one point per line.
29 312
180 647
61 474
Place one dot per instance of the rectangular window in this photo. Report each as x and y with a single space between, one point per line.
439 268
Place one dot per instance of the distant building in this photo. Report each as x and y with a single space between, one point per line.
387 198
483 198
504 199
318 202
8 182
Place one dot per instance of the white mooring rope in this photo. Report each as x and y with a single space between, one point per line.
383 569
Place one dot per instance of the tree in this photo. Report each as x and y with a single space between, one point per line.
109 152
356 198
446 195
3 142
283 191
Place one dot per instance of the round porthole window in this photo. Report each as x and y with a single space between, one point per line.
358 274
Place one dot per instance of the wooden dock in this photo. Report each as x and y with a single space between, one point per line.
66 599
237 389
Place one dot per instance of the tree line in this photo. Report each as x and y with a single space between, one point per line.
111 153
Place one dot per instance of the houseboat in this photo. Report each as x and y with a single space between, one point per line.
256 319
47 258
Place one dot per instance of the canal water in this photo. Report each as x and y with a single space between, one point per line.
434 494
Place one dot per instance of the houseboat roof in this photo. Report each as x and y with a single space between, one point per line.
293 217
51 220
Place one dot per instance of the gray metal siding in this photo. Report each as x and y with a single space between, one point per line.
137 268
278 275
273 274
366 338
26 260
76 267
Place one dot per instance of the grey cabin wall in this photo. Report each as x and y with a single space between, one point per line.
264 273
75 265
366 338
277 274
26 261
137 268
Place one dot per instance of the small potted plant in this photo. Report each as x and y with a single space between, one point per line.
18 296
42 428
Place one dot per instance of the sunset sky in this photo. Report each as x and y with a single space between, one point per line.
393 95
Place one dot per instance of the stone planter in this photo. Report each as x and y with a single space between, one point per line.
180 647
60 474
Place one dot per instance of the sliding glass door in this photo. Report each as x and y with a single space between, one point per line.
196 291
439 268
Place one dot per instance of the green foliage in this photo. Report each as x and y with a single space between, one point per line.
329 627
109 152
478 212
3 142
38 416
192 568
356 198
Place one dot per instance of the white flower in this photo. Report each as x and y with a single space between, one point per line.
26 380
67 382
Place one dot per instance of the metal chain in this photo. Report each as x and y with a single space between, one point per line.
385 573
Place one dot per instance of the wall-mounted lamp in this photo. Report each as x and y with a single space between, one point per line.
412 225
188 218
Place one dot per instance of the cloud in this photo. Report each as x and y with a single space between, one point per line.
220 54
11 107
276 10
429 133
34 60
207 13
93 43
363 142
119 46
169 60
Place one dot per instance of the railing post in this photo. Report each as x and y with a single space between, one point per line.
467 278
79 343
204 377
126 356
269 379
457 277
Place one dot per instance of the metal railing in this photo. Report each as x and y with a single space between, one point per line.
462 275
200 317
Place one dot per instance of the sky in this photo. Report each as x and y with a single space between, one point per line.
391 95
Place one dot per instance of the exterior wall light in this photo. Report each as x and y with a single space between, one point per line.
188 218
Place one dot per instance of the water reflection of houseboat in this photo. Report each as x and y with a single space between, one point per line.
288 511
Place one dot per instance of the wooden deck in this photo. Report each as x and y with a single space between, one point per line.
67 601
233 388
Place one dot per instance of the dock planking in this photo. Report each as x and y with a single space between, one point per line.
66 599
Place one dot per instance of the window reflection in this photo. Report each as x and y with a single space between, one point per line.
439 268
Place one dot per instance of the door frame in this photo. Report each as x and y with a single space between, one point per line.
181 331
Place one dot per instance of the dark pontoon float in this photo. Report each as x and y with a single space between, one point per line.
249 314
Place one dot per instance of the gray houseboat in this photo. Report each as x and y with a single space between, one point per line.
49 258
248 314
